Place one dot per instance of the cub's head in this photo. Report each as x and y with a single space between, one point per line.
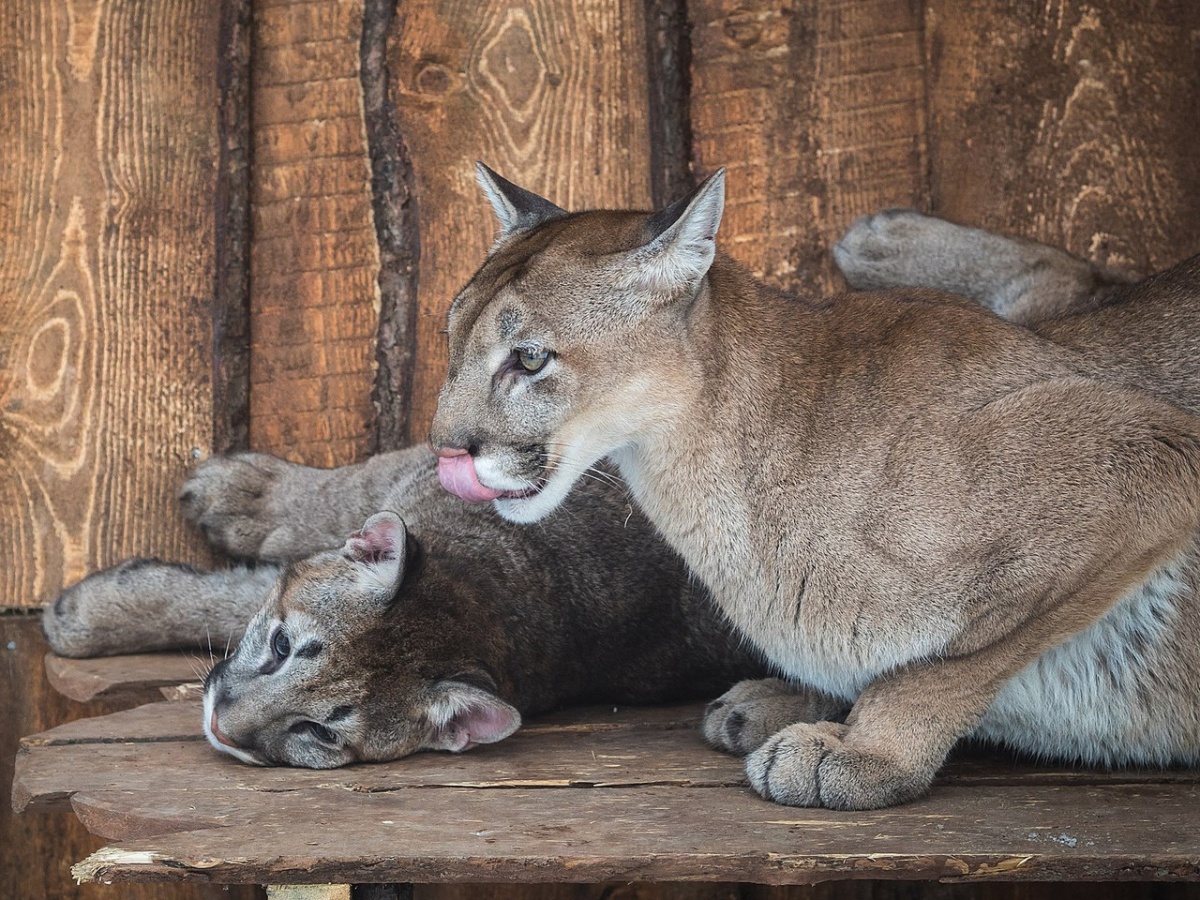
569 344
347 661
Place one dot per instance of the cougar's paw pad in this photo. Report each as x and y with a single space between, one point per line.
812 765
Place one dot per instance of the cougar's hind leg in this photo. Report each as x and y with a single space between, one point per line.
1017 279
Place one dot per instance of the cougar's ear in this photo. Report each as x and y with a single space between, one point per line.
516 208
379 549
681 242
463 715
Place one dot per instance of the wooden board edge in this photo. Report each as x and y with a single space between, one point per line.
116 864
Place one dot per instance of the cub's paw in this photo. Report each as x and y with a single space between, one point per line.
894 247
742 718
239 503
112 611
812 765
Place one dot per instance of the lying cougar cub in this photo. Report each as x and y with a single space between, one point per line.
934 515
434 636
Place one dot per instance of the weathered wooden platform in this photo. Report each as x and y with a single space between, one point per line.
589 795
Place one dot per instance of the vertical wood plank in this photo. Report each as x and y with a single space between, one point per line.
314 261
551 95
669 60
397 233
231 295
109 133
1071 122
817 109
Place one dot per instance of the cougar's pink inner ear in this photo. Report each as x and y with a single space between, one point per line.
466 716
382 539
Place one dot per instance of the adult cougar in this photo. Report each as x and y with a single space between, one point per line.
437 631
947 522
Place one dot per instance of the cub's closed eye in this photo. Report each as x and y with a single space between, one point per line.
316 729
281 646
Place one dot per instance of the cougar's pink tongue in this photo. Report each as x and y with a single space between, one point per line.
457 474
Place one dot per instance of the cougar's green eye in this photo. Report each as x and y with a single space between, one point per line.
532 360
280 645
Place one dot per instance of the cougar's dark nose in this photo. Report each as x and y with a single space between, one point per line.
453 445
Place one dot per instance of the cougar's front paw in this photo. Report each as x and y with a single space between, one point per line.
750 712
887 249
230 500
812 765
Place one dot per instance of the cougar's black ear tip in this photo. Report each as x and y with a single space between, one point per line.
516 209
712 189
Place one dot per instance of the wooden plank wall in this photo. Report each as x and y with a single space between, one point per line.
817 110
122 136
146 142
314 261
109 135
555 92
1071 123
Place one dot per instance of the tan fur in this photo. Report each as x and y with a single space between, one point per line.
903 500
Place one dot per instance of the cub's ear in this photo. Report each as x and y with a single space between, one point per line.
379 548
681 244
516 208
464 715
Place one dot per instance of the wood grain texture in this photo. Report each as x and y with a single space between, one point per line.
109 134
659 833
590 795
36 852
551 95
314 261
594 748
125 678
817 110
1074 123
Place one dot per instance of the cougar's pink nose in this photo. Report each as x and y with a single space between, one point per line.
456 472
218 733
